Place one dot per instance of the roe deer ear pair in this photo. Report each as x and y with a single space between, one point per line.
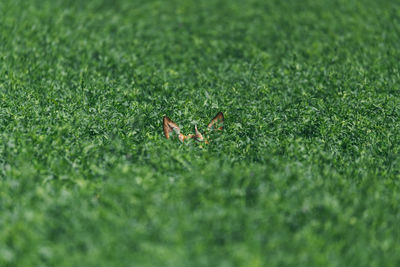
170 126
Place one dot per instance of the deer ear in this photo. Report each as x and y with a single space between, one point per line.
217 122
169 126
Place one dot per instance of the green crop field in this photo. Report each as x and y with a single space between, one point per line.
305 173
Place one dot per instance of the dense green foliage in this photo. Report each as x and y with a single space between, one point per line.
307 171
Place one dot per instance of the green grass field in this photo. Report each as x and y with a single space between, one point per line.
306 172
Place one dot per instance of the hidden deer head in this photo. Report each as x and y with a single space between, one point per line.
171 127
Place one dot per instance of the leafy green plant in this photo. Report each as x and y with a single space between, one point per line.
305 173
